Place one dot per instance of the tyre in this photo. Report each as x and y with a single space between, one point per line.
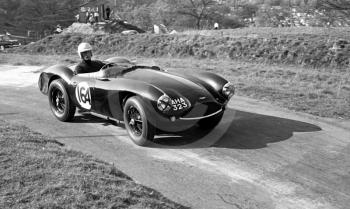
139 129
211 122
60 104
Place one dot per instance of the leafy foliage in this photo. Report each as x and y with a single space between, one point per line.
198 10
335 11
41 15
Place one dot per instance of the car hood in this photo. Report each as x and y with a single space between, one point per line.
175 86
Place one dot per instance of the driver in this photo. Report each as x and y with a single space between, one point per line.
87 65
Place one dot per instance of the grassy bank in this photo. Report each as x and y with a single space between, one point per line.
36 172
311 47
319 91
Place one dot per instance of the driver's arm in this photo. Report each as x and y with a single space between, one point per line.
99 64
79 69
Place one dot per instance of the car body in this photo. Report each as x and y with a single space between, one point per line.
147 98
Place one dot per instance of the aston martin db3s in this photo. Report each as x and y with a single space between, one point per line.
147 98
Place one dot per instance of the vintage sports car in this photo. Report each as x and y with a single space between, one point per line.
148 99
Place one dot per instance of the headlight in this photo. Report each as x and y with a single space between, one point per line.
164 103
228 90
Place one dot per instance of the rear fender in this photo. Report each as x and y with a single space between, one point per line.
53 73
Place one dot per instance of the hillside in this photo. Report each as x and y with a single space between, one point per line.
315 47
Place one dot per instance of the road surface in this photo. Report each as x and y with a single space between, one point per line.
260 156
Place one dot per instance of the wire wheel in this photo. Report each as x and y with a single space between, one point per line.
57 99
134 120
61 106
138 127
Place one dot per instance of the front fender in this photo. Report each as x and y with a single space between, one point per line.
110 95
212 82
52 73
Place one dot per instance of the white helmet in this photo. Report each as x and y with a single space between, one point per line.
84 47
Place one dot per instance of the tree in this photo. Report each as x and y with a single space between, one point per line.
248 11
141 16
7 14
342 6
162 13
198 10
335 12
40 15
137 12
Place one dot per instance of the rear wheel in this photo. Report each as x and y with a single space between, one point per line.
60 104
139 129
211 122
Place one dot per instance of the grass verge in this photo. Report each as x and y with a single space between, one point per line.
35 172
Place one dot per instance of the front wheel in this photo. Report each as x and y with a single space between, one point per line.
139 129
60 104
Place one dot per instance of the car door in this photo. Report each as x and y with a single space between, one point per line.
106 94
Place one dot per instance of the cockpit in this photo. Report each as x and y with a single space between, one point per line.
116 69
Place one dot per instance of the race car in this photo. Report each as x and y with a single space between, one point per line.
148 99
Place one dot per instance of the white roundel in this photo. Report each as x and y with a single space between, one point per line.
82 92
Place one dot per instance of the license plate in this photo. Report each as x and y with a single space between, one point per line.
178 104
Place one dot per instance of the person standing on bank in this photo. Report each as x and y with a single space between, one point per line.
91 18
96 15
87 15
216 26
87 65
108 13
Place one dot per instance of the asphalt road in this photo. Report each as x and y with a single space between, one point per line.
260 156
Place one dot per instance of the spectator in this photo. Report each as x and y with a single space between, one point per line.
108 12
156 29
58 29
91 19
112 15
216 26
96 15
87 16
77 18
